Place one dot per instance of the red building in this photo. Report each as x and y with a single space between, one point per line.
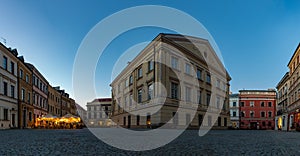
257 109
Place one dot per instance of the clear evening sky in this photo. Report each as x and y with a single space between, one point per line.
256 38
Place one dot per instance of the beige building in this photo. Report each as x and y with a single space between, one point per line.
281 119
98 113
170 74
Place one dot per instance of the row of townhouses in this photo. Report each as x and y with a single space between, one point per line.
288 108
253 109
25 94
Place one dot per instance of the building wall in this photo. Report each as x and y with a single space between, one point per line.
126 94
99 113
234 111
54 101
251 102
26 109
8 89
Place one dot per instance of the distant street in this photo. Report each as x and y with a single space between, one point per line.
82 142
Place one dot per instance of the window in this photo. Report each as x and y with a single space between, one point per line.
270 104
130 100
174 62
150 91
28 99
130 80
5 88
207 99
27 78
187 68
269 114
21 73
174 90
242 114
234 114
140 72
199 74
12 67
139 96
218 102
218 84
5 62
199 97
242 104
12 91
187 94
262 114
251 103
208 78
5 113
251 114
262 104
263 123
269 123
234 104
150 65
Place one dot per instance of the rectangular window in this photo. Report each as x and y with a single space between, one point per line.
139 96
207 99
187 94
242 104
262 104
5 113
251 103
199 94
234 104
262 114
251 114
150 66
150 91
187 68
234 114
140 72
12 91
269 114
12 67
225 122
199 74
242 114
28 99
5 88
21 73
208 78
5 62
174 90
27 78
270 104
130 100
130 80
23 94
174 62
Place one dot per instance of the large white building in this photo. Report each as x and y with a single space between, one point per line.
8 88
98 113
234 110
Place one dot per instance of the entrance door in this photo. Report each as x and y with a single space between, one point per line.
129 121
24 119
200 118
13 118
253 125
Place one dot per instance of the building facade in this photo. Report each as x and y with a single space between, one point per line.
39 92
26 109
9 88
294 90
54 101
138 100
81 112
234 111
99 113
281 119
257 109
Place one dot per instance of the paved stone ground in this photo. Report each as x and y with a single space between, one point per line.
82 142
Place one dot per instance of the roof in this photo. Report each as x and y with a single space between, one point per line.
268 90
102 100
234 95
294 54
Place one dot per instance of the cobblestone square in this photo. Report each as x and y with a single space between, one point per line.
216 142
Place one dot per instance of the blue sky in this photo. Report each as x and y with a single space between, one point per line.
256 38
